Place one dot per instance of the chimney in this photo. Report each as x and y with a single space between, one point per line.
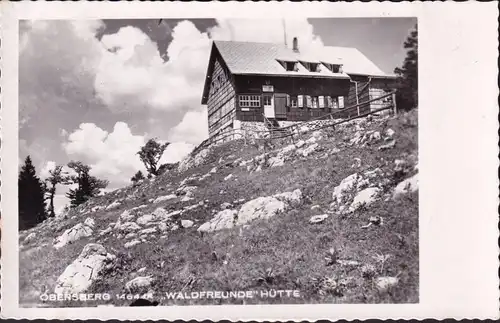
295 44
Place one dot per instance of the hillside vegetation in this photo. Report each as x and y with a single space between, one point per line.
333 215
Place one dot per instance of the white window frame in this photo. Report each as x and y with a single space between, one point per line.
321 102
246 100
300 101
294 99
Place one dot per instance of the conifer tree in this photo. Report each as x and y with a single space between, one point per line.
88 185
57 176
407 83
150 155
31 197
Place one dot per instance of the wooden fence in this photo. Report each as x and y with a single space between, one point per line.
347 114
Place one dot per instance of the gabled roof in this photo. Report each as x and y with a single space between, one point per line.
251 58
261 58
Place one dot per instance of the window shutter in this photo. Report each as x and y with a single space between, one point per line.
330 101
287 100
300 99
321 101
309 101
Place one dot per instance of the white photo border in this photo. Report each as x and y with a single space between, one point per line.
458 157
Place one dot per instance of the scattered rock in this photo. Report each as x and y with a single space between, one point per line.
84 270
187 223
314 207
132 243
364 198
389 133
357 163
228 177
113 205
300 143
89 222
29 237
148 231
409 185
318 218
307 151
193 161
222 220
76 232
127 227
141 270
138 283
164 198
126 216
348 263
389 145
384 283
105 231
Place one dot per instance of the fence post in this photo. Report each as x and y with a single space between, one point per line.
395 109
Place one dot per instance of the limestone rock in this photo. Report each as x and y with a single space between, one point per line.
364 198
126 216
222 220
318 218
164 198
29 237
187 223
132 243
409 185
127 227
384 283
82 272
113 205
78 231
89 222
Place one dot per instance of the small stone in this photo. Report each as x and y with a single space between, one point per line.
138 283
318 218
384 283
131 243
186 223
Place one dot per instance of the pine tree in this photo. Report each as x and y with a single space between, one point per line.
150 155
88 185
57 176
31 197
139 176
407 83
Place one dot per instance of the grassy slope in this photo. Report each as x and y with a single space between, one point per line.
237 259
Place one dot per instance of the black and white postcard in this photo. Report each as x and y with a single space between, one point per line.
327 160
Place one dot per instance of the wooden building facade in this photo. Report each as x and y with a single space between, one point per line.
251 82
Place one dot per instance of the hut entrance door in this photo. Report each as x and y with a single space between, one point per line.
268 105
280 105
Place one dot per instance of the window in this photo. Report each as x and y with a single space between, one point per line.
293 101
290 66
309 101
300 101
314 102
249 101
335 68
267 100
321 101
341 102
313 67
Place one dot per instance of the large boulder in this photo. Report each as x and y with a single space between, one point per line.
160 214
409 185
364 198
74 233
222 220
266 207
193 160
84 270
164 198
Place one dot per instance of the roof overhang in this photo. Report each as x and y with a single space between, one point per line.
332 77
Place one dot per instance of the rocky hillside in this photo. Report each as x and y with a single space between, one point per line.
332 216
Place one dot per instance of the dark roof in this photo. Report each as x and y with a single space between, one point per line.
262 58
251 58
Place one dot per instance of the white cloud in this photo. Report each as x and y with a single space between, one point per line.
112 156
193 128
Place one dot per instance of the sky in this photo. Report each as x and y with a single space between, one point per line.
97 90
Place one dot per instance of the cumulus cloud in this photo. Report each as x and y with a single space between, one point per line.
113 155
67 71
